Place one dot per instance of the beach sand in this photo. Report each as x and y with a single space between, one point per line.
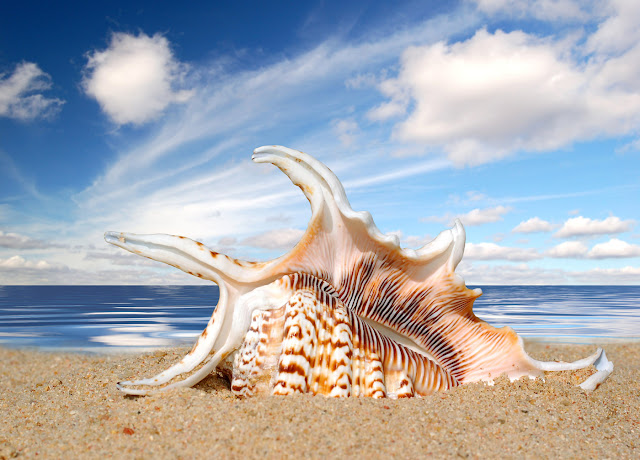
56 405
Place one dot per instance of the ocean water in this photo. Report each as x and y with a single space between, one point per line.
116 318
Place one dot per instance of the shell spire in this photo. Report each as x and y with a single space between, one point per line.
412 299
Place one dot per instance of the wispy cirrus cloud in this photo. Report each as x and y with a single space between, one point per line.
21 93
549 10
190 174
11 171
189 171
258 102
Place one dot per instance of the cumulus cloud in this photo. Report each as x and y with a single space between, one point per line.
533 225
497 93
614 248
17 262
474 217
584 226
492 251
283 239
135 78
568 249
484 216
21 93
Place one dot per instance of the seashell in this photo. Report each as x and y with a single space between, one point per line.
347 312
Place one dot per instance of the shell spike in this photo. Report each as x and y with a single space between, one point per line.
157 383
459 238
318 183
222 336
198 354
599 360
186 254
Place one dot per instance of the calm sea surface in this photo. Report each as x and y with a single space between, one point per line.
99 318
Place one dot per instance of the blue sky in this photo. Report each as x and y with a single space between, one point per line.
520 118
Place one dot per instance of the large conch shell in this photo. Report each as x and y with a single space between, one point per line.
347 312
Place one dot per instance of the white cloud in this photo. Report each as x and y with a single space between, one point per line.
211 195
620 29
614 248
541 9
633 146
223 116
134 79
411 241
472 195
347 131
22 272
624 275
474 217
122 258
20 93
485 274
284 239
533 225
484 216
584 226
568 249
17 262
492 251
415 241
489 274
386 110
498 93
17 241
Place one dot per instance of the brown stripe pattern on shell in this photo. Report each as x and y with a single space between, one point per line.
314 344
